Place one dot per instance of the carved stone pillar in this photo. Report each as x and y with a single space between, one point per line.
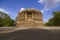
25 14
32 15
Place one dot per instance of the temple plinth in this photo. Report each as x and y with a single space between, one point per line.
29 18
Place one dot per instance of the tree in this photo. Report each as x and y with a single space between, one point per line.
55 21
8 22
1 22
5 20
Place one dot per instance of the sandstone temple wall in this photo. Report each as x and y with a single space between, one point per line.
29 18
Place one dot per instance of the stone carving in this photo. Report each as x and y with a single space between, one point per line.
29 18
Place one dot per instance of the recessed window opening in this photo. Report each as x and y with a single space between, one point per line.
29 14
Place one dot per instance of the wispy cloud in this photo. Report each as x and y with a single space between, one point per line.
3 10
22 9
49 4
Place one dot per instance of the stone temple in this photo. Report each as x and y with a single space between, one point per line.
29 18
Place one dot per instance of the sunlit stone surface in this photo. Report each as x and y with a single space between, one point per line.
29 18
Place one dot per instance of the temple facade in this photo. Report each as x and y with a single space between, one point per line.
29 18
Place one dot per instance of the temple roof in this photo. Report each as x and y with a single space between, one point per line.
30 10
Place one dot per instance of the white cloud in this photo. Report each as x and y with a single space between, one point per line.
57 1
41 1
49 4
22 9
3 10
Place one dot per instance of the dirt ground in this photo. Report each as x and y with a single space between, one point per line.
31 34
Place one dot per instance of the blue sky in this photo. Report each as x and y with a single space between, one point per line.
12 7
